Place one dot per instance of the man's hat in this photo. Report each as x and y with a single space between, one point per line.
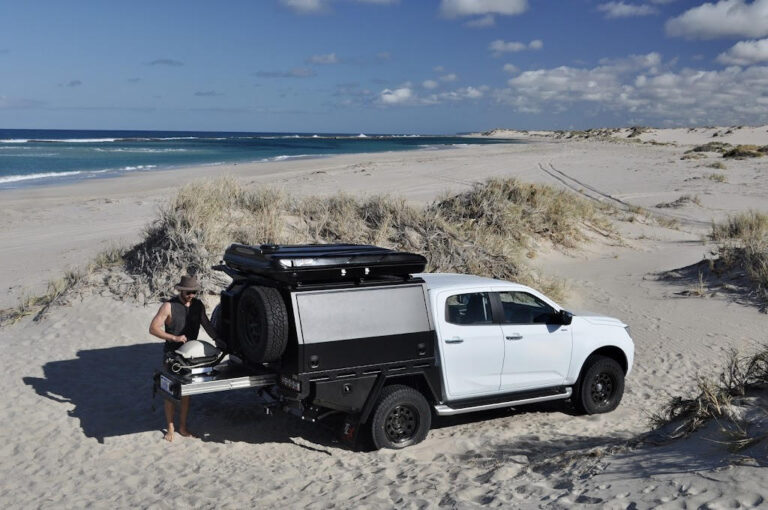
188 283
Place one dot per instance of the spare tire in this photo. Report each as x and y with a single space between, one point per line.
262 324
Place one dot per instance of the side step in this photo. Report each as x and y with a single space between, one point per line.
467 407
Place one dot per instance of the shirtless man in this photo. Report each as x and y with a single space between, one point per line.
177 321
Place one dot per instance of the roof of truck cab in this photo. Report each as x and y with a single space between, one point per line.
439 281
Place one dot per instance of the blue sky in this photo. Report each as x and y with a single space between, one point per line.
407 66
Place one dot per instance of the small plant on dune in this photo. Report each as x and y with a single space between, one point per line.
717 177
720 147
742 244
682 201
718 165
717 400
743 151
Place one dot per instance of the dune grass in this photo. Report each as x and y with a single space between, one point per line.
742 245
487 230
726 400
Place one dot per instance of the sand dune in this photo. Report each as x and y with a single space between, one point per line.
79 428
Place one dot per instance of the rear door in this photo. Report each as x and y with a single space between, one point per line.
471 343
536 354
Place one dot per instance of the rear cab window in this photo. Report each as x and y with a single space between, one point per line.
469 309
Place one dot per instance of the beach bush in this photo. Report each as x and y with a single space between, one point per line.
720 147
732 400
488 230
717 177
742 245
682 201
743 151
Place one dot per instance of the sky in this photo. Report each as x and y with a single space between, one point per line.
382 66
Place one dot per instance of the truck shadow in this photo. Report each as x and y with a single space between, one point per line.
109 391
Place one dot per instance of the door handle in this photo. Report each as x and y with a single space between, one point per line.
514 336
454 340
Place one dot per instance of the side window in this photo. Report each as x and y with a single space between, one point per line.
469 309
523 308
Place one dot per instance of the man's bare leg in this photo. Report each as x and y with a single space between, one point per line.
183 418
170 408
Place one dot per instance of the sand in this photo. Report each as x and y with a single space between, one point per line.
79 428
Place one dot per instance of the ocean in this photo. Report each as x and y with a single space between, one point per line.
44 157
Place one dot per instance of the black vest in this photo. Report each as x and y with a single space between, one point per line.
184 321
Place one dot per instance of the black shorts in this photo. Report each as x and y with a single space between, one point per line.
171 346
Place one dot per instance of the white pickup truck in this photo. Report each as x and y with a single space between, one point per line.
357 330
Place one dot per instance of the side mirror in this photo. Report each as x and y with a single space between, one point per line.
564 317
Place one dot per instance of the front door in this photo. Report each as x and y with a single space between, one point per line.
471 343
536 354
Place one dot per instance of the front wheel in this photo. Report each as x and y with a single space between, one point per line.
600 387
402 418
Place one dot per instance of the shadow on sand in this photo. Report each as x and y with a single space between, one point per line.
109 391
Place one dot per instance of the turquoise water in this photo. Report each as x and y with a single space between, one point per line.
44 157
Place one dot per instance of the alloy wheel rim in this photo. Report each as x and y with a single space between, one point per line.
602 388
401 423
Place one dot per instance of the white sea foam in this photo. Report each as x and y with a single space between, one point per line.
85 173
14 140
152 151
362 135
43 175
284 157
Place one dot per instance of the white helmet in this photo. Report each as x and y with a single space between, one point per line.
197 349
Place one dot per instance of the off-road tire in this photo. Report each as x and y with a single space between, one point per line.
401 418
262 324
600 386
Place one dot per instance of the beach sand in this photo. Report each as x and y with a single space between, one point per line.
78 424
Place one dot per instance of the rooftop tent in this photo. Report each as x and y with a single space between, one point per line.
321 262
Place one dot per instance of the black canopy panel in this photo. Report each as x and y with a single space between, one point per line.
322 262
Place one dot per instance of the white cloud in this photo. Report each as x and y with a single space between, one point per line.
449 77
429 84
486 21
745 53
499 46
726 18
644 88
510 68
328 58
624 10
304 6
461 94
455 8
312 6
390 97
438 69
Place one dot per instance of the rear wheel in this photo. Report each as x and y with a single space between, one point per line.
402 417
262 324
600 386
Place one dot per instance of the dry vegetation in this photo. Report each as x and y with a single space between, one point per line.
745 151
488 230
742 245
682 201
734 401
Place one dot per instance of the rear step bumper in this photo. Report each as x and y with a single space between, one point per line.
447 410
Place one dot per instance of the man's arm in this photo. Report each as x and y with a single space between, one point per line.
156 327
